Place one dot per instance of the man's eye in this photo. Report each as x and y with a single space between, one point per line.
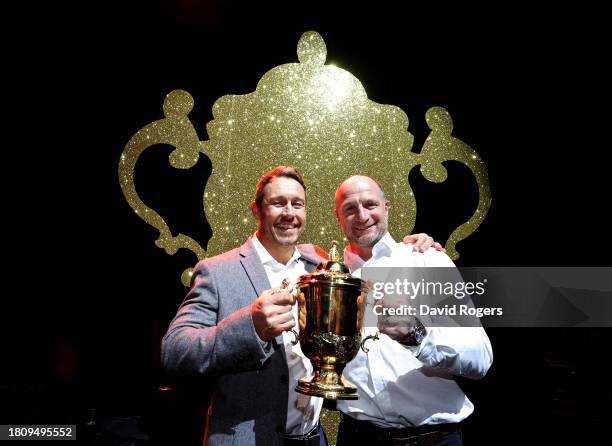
298 205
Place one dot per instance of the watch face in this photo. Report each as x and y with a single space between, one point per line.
419 333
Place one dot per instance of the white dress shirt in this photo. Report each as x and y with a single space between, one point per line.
303 411
404 387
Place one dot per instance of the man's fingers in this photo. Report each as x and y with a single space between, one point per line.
423 243
279 309
410 239
428 243
282 298
271 310
287 325
279 327
280 318
394 332
439 247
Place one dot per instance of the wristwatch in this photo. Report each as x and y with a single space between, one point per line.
417 333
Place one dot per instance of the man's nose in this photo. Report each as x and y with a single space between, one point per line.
362 213
288 210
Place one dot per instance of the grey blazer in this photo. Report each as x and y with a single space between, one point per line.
213 335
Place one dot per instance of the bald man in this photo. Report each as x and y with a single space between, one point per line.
407 393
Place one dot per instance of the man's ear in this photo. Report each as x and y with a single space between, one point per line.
254 210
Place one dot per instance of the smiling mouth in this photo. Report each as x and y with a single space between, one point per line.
285 228
364 228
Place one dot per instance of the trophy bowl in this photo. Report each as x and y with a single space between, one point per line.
330 303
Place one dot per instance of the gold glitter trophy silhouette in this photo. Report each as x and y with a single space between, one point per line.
317 118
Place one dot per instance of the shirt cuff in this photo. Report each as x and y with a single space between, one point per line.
265 345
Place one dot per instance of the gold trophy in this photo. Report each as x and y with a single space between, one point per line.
330 304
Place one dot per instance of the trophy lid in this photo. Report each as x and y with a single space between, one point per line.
331 272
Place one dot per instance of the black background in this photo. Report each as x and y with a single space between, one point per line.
525 87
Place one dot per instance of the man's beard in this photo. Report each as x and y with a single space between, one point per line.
368 241
286 239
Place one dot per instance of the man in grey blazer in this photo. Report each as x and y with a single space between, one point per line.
233 327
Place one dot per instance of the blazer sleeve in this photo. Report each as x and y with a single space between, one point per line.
197 342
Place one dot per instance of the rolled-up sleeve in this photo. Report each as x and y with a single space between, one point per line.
463 351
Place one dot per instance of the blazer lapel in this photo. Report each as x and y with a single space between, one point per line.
259 279
252 265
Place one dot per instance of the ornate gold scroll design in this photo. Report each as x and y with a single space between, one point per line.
177 131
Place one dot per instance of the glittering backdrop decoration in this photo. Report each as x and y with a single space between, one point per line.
317 118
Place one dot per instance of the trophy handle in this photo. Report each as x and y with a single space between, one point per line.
439 147
175 130
296 338
374 337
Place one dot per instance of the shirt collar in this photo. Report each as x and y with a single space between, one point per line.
382 248
266 258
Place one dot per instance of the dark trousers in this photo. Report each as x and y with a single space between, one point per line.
352 432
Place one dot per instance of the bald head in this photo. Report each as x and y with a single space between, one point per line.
357 181
362 211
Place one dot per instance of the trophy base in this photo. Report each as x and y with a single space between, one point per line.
329 386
